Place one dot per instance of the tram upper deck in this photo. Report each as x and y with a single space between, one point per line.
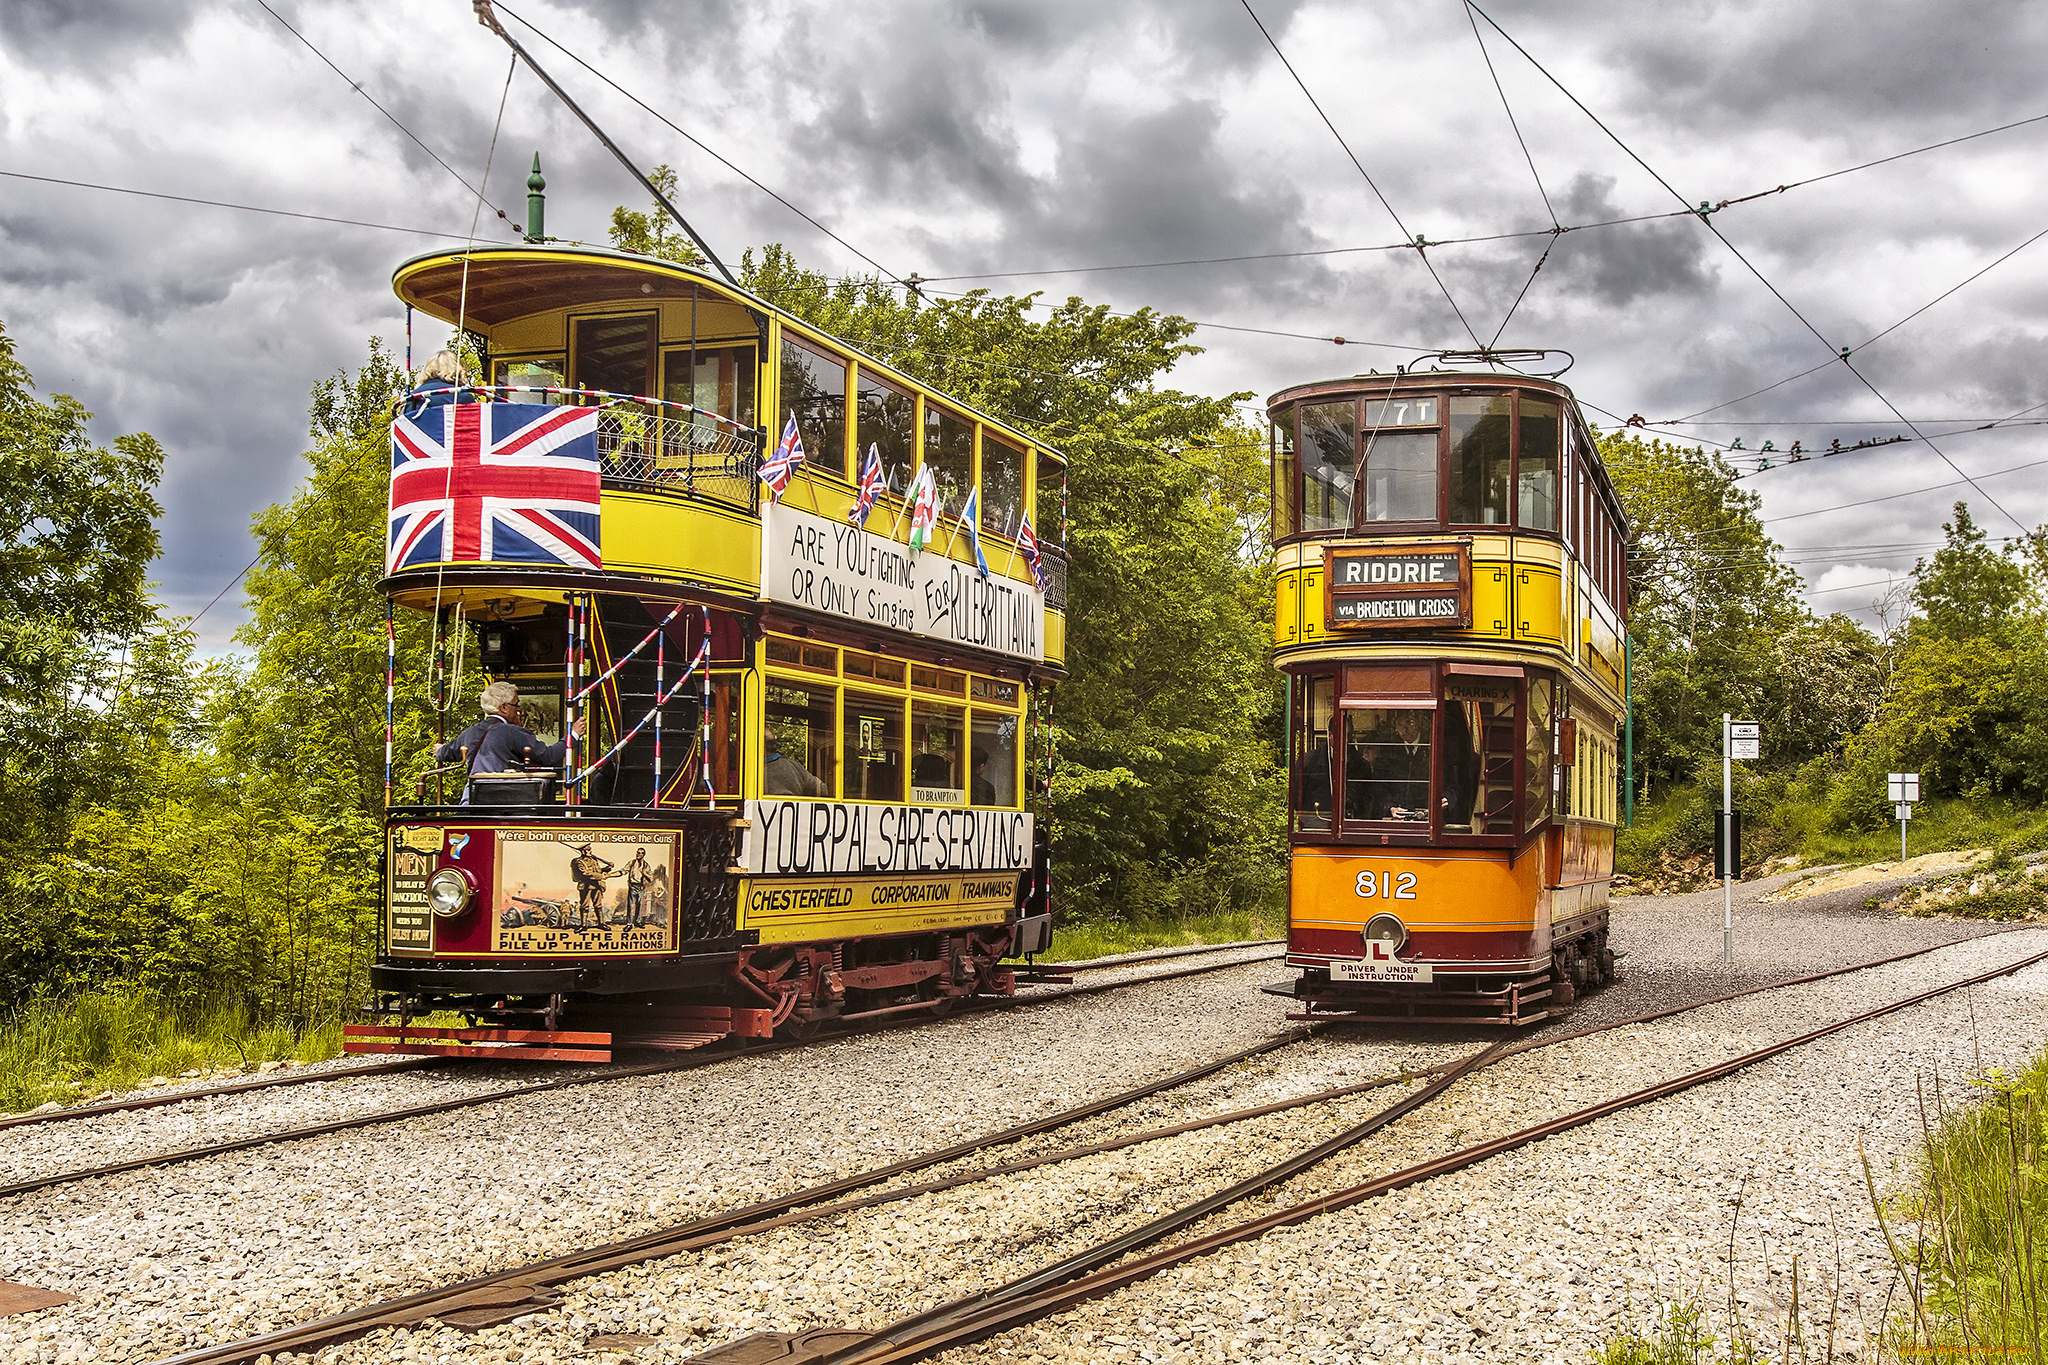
696 378
1468 510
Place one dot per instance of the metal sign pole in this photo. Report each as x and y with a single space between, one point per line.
1727 848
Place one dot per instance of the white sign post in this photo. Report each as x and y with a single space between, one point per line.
1904 789
1739 739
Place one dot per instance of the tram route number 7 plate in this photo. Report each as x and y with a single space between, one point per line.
1380 965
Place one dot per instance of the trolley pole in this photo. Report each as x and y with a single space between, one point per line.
1727 848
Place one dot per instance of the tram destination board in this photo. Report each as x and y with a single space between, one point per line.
1399 585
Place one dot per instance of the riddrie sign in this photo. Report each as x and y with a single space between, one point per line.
1407 585
872 581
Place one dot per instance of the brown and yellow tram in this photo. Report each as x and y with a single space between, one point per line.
801 788
1450 619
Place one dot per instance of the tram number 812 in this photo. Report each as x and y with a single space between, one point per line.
1398 886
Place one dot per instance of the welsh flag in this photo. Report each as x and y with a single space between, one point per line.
924 510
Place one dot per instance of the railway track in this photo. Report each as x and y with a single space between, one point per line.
690 1062
532 1288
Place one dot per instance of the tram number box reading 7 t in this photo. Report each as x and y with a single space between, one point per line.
1407 585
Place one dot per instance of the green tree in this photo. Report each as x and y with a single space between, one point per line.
1167 792
654 233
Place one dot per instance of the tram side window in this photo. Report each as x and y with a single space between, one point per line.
874 748
949 451
1479 459
1002 485
1315 700
719 380
1329 465
936 767
725 734
797 742
1387 764
616 354
814 392
1049 506
887 420
1536 765
1285 470
993 757
1536 475
1480 739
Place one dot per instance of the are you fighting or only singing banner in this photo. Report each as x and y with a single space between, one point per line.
813 838
871 580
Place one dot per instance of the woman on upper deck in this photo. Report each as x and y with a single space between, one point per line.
440 384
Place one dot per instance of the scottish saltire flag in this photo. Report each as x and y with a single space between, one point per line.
779 468
969 515
495 483
871 485
924 509
1028 543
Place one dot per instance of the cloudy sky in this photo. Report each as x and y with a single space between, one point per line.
1012 143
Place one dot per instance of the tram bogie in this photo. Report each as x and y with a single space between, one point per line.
1451 598
785 772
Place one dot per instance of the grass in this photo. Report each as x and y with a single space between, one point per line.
1079 942
1969 1243
70 1050
1936 826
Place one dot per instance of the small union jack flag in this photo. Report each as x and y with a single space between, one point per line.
495 482
778 469
871 485
1028 543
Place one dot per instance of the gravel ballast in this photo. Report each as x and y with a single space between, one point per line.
235 1245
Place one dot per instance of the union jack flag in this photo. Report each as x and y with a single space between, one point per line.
779 468
495 482
1028 543
871 485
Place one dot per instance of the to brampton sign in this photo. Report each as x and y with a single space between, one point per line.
871 580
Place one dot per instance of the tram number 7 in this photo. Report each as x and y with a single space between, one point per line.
1398 886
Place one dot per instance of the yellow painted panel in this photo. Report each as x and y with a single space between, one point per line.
1539 604
1490 600
677 537
1286 628
1450 891
1055 637
806 910
1310 596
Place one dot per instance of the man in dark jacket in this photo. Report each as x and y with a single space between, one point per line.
499 743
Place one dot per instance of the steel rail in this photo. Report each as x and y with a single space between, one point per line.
977 1317
1103 964
693 1062
86 1111
529 1288
524 1283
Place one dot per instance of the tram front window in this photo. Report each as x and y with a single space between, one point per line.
1387 763
1400 476
1329 461
1479 459
797 742
1536 476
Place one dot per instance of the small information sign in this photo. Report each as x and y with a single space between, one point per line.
1745 729
1745 748
1904 787
1902 811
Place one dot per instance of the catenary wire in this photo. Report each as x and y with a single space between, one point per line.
1707 220
1420 251
225 204
357 86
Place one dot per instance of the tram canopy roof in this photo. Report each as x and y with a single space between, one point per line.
501 283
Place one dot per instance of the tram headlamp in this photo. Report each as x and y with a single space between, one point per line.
1386 928
449 892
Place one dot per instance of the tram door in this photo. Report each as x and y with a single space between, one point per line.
614 354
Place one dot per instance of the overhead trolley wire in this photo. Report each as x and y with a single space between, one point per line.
357 86
1523 143
1706 218
1420 249
225 204
696 142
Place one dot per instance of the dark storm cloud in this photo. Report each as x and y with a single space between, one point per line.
82 32
1622 265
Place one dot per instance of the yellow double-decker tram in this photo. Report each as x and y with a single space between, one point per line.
1450 619
778 761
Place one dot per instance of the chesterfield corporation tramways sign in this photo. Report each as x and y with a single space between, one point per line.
871 580
1404 585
